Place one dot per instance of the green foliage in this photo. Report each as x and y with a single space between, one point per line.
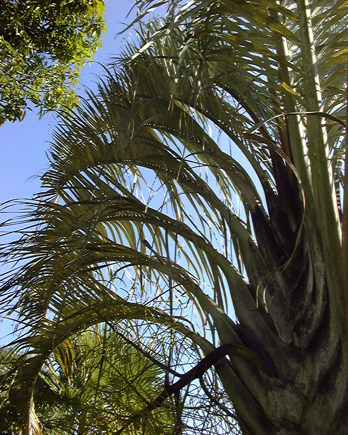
9 362
91 383
43 44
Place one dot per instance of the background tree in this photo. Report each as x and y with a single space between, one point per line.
91 383
43 44
8 364
193 198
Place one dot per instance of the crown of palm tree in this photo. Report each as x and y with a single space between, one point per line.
194 196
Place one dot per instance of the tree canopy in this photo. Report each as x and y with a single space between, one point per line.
43 44
196 203
85 385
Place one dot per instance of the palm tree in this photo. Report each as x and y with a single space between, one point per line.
91 383
195 200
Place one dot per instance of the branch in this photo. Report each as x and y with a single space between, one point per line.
139 349
195 373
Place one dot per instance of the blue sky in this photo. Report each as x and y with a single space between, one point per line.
23 145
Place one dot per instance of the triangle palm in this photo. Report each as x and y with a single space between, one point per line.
153 208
